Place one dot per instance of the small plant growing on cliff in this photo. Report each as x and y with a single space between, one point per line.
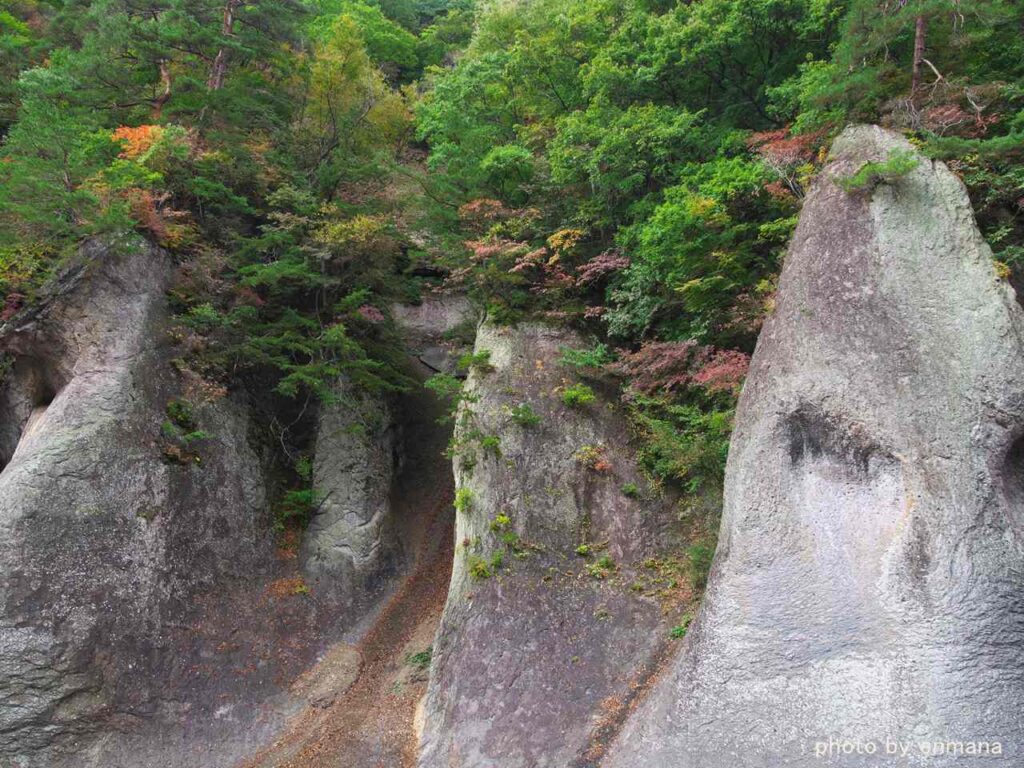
463 500
584 550
491 444
180 433
478 568
304 468
700 557
899 163
524 415
181 414
679 631
477 362
631 490
578 396
594 358
501 523
421 660
602 567
594 457
296 507
449 389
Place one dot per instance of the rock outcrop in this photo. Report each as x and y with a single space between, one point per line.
352 542
542 640
147 617
869 582
107 549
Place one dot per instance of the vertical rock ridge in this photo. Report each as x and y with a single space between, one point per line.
867 585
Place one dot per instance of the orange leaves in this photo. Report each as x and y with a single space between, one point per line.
138 140
151 214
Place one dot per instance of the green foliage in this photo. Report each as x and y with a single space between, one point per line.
478 362
684 443
601 568
595 358
679 631
699 558
630 490
181 414
524 415
421 660
304 468
577 395
451 392
52 189
386 42
899 163
506 169
479 568
463 500
491 444
295 508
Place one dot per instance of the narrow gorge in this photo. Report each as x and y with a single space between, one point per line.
869 544
511 383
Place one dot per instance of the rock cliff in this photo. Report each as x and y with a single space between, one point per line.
551 618
116 560
867 585
147 617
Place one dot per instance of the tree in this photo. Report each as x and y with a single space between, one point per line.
349 111
51 166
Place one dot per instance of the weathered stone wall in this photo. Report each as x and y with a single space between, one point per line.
352 541
526 658
102 542
147 616
869 581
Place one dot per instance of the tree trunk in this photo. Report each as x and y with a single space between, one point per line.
220 63
919 41
165 95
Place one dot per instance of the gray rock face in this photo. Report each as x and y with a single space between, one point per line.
352 539
131 587
535 653
869 581
429 326
358 539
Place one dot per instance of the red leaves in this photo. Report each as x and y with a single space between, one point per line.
724 372
666 366
371 314
600 266
944 119
12 303
779 149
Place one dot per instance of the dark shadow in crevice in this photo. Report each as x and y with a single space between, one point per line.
1011 479
29 388
814 434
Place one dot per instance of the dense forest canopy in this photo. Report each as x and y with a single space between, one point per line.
633 167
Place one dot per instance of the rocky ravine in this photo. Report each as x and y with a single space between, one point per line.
867 584
147 617
868 581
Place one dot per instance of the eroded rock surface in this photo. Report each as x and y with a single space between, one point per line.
869 581
147 618
536 652
352 541
110 553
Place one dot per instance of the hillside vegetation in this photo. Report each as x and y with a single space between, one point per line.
633 168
